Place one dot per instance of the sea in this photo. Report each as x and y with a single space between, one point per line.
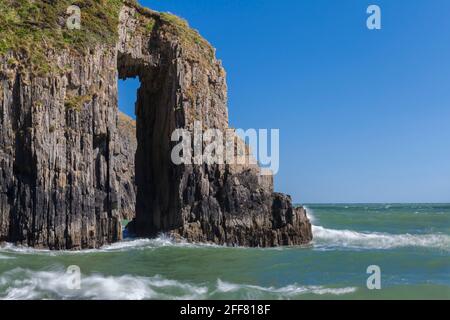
359 251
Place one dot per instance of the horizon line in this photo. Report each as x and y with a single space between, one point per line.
313 203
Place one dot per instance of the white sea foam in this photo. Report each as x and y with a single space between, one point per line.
26 284
310 215
135 244
118 246
11 248
22 283
360 240
289 291
126 245
323 238
159 242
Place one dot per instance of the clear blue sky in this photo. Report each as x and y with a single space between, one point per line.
364 116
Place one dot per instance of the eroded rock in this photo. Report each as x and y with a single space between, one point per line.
66 174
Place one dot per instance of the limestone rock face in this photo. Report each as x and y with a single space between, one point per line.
66 156
124 165
56 138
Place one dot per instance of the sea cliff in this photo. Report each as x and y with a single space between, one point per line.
64 181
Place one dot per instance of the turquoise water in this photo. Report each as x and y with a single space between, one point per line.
410 244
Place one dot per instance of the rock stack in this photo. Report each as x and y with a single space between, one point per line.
67 175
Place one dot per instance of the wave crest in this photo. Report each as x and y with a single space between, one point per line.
360 240
289 291
310 214
3 257
125 245
27 284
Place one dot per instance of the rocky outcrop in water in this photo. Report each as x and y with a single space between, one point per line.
64 153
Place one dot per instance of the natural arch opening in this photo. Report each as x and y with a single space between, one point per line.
127 95
181 85
156 117
125 157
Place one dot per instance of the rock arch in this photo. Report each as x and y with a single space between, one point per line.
59 144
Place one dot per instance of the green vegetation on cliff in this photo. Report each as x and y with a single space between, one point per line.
24 23
31 28
187 35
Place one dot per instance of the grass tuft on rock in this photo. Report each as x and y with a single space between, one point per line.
32 28
189 37
77 102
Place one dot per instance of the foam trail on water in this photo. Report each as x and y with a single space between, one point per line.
3 257
289 291
18 249
126 245
20 284
324 237
27 284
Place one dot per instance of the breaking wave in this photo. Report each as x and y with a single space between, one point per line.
290 291
324 237
310 215
26 284
22 283
122 246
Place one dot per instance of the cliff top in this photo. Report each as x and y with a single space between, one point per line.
30 28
